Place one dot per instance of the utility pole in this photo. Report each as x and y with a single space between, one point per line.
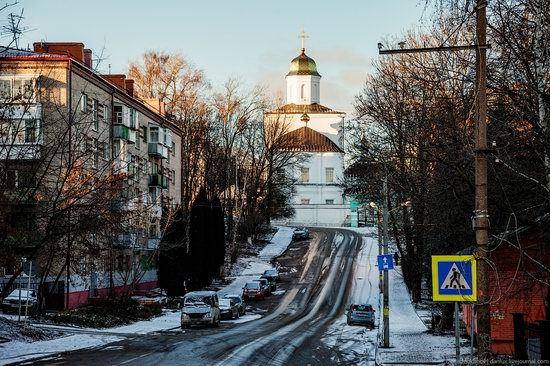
481 211
386 303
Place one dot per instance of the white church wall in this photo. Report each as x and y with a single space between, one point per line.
303 89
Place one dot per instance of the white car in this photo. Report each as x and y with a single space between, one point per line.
19 296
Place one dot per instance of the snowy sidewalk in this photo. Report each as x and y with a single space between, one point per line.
410 342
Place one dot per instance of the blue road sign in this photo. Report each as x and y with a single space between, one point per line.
385 262
454 278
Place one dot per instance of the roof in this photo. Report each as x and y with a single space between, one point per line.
314 108
303 65
307 140
7 52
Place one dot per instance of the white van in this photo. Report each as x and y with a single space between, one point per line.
200 308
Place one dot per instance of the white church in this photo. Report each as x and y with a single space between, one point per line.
319 200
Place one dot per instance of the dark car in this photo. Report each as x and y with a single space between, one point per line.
265 285
239 301
273 273
271 282
253 290
229 309
361 314
300 233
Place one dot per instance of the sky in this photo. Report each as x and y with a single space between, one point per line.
253 41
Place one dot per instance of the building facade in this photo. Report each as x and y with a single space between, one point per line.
316 132
87 169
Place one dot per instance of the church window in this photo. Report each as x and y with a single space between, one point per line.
329 175
302 92
304 175
329 202
304 201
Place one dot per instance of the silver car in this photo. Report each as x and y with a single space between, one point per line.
200 308
361 314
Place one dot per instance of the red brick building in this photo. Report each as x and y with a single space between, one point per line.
519 278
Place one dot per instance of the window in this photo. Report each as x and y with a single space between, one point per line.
133 118
84 103
304 201
95 152
95 120
31 127
302 91
5 89
329 175
173 149
304 175
154 134
329 202
16 89
106 113
106 150
173 177
23 89
144 133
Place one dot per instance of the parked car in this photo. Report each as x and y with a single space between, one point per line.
271 282
273 273
300 233
265 285
361 314
253 290
200 308
11 302
229 309
239 301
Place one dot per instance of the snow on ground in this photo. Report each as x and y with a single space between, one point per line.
17 351
257 265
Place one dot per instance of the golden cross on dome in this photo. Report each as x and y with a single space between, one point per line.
303 35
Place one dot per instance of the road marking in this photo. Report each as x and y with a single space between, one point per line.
135 358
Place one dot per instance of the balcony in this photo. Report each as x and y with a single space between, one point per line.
20 152
158 150
158 180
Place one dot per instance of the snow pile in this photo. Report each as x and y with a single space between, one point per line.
16 331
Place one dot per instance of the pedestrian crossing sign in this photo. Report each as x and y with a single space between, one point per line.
454 278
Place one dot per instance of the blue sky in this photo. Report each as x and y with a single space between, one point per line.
250 40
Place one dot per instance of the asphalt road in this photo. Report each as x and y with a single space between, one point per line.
289 335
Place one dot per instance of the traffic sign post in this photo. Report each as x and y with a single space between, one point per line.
454 279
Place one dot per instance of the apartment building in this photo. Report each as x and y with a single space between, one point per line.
87 172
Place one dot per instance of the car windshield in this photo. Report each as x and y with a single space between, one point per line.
196 300
253 285
362 307
24 293
225 302
270 272
237 299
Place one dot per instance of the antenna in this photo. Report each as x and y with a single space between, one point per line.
14 28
